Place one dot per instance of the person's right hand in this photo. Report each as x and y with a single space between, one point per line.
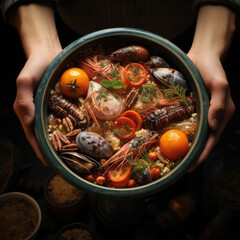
27 82
36 26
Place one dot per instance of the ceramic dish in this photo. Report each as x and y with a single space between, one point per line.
173 55
25 216
65 202
72 230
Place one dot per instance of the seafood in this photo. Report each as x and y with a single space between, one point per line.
169 76
94 145
62 108
187 126
79 163
157 119
143 176
131 53
112 133
97 68
133 148
102 104
159 62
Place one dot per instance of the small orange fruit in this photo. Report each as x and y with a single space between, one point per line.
74 83
174 144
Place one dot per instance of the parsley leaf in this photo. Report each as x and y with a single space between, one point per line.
112 84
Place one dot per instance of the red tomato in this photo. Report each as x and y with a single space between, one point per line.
135 117
153 156
155 172
120 184
124 128
135 74
132 183
119 174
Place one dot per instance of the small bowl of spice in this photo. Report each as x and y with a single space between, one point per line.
76 231
64 201
20 216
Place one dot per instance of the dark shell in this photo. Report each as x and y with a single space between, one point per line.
79 163
94 145
159 62
143 176
169 76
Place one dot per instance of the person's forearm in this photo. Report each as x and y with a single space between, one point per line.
36 26
214 30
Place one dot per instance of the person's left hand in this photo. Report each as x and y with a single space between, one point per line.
213 35
221 107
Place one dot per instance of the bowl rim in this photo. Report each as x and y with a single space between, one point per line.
21 195
140 191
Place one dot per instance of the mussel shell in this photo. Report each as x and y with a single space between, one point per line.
169 76
79 163
159 62
93 145
143 176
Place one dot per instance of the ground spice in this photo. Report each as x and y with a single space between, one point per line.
75 234
61 192
18 219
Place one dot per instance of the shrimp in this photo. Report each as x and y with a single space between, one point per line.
132 149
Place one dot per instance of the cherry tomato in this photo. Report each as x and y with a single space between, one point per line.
155 172
132 183
135 117
119 174
124 128
90 178
153 156
135 74
74 83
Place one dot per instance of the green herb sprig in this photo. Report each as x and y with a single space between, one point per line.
148 93
176 91
142 163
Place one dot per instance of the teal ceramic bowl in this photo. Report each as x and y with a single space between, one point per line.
173 55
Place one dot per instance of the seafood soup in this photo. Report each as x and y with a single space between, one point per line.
121 115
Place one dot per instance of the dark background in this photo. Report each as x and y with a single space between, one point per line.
12 61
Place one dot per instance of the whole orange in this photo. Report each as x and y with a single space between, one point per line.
174 144
74 83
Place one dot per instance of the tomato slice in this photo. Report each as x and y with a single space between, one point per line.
135 117
124 128
119 174
120 184
135 74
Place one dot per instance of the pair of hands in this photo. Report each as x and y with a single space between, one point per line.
204 53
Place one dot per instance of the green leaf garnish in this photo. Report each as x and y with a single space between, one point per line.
142 163
112 84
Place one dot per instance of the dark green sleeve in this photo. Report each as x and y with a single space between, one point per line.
234 5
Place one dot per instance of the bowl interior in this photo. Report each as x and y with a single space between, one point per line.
114 37
19 195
